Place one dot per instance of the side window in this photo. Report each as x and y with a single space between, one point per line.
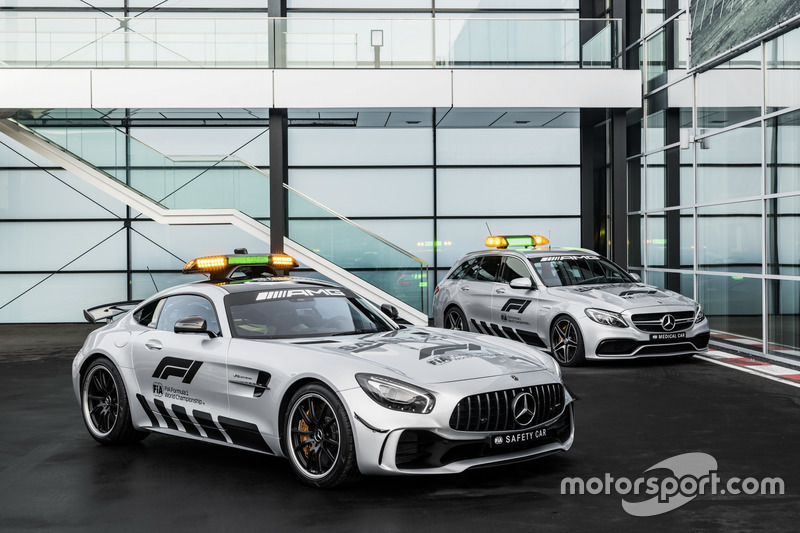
177 307
146 316
490 268
466 270
514 268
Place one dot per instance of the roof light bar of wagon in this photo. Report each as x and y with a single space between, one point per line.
506 241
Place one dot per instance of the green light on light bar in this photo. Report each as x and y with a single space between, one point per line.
520 241
737 278
423 283
248 260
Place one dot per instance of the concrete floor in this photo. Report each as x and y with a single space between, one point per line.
631 416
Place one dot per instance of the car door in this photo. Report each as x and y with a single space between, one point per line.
514 310
478 293
181 376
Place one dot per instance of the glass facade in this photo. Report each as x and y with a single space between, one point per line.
713 154
418 178
713 183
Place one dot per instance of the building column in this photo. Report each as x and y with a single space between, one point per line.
278 176
278 147
619 188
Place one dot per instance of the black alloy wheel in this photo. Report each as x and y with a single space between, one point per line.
566 342
454 319
104 403
319 438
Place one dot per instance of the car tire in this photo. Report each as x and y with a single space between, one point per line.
319 438
105 406
566 342
455 319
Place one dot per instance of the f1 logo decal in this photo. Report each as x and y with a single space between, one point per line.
175 366
515 305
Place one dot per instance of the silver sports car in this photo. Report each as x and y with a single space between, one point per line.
572 302
306 370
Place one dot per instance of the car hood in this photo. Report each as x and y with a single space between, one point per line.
427 355
621 295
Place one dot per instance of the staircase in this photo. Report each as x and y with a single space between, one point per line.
318 238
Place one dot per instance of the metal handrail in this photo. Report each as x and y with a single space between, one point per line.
266 34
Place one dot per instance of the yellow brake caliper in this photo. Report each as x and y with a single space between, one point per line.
302 426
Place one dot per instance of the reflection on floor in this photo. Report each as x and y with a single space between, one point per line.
783 374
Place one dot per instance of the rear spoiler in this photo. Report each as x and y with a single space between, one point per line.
107 312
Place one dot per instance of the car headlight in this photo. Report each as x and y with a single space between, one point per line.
699 316
557 369
607 318
396 395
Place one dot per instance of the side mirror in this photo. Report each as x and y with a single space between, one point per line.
390 311
636 277
521 283
193 324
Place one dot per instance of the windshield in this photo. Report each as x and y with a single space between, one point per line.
283 314
563 270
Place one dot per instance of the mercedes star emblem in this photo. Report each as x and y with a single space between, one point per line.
524 408
668 322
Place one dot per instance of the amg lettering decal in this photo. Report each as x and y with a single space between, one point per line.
515 304
294 293
175 366
569 258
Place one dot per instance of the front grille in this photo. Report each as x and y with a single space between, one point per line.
419 449
615 347
492 411
652 321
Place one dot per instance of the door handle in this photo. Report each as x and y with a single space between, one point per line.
464 288
153 345
500 291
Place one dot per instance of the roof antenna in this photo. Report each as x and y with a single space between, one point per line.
152 278
487 227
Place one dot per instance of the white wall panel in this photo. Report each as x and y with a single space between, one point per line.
59 298
508 191
181 88
547 88
320 88
36 194
507 146
362 88
360 146
45 88
366 192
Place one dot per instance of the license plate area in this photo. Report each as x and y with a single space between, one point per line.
667 337
520 439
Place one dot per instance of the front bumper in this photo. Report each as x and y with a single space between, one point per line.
608 342
389 442
415 450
